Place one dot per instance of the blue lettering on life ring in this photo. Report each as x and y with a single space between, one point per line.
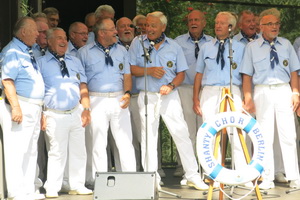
205 140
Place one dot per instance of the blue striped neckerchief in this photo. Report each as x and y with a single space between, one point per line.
106 50
196 41
29 49
61 60
154 42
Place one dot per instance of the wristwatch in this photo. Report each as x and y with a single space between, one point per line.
89 109
172 84
128 92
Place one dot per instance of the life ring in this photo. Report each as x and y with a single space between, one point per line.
205 143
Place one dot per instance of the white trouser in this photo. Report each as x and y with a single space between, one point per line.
169 107
20 148
108 112
273 103
67 144
210 105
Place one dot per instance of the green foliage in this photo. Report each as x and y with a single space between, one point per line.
177 10
25 8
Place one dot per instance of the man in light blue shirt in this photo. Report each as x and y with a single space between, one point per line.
64 119
24 92
109 82
213 75
270 64
191 43
247 26
40 47
165 72
78 36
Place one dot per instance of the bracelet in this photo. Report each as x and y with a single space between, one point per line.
89 109
128 92
172 84
296 93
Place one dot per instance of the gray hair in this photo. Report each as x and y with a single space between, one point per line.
38 15
244 12
160 15
87 17
99 26
50 31
271 11
73 26
104 8
231 16
50 11
21 22
137 18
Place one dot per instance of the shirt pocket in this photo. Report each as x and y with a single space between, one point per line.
261 63
210 62
284 60
169 63
119 65
95 65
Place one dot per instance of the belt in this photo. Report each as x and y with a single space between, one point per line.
63 111
217 87
108 94
273 86
156 93
38 102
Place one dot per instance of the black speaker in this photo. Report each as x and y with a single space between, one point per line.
125 185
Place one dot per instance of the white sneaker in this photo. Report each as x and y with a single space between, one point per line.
51 194
197 183
295 184
280 178
183 182
37 196
161 173
266 185
81 191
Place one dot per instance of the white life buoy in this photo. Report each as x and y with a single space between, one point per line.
205 143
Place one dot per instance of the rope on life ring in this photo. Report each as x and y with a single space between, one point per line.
205 141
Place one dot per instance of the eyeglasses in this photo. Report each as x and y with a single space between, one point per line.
82 34
270 24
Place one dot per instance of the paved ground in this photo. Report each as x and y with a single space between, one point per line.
172 185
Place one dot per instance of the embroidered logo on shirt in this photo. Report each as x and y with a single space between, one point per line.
285 63
170 64
121 66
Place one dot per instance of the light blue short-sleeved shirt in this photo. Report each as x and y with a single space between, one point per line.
169 55
61 93
296 44
188 47
100 76
213 75
256 62
239 37
91 37
36 50
71 49
16 65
